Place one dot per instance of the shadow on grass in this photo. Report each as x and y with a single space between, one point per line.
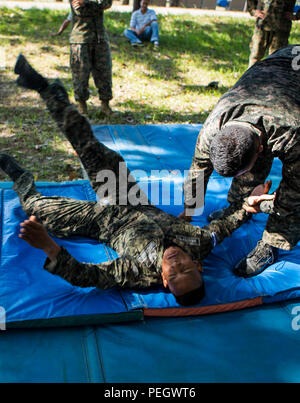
138 114
30 135
207 41
223 48
219 43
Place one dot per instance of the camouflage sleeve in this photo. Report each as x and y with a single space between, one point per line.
225 226
88 7
287 200
242 186
201 165
252 6
267 206
103 4
119 272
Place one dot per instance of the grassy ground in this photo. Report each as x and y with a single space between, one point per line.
149 87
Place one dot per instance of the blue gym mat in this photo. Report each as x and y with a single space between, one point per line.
156 154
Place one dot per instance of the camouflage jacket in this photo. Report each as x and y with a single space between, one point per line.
267 98
274 10
87 22
140 235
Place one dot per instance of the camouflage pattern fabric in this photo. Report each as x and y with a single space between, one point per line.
91 58
87 22
266 40
272 32
90 50
267 98
140 234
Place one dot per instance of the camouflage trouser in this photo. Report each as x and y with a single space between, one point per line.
283 227
63 216
266 40
89 58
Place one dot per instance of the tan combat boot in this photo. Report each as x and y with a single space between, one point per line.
105 108
82 107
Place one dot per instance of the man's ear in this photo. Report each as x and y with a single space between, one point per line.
260 148
165 281
199 265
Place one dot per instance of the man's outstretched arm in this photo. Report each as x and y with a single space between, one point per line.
225 226
119 272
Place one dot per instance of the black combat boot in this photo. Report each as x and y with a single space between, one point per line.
261 257
28 77
10 167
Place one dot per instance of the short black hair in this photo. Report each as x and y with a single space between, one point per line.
192 297
232 149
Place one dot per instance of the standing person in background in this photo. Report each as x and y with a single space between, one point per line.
272 28
90 52
143 26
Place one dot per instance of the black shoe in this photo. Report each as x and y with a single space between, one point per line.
10 166
28 77
261 257
137 44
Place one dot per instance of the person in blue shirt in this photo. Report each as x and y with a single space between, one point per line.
143 26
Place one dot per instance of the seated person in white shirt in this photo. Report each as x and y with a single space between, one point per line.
143 26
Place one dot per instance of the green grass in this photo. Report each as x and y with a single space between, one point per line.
169 86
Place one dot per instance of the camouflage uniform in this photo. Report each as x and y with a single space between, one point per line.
90 50
266 98
273 31
140 234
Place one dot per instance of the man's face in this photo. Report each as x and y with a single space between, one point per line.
179 272
144 4
259 149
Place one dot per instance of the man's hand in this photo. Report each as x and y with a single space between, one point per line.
35 235
77 4
259 194
148 23
184 217
140 31
259 14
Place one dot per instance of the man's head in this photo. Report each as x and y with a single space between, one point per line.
234 150
144 5
182 276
